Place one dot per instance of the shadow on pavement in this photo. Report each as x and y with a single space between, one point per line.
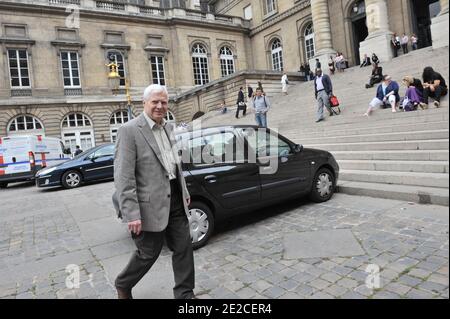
249 218
82 187
20 185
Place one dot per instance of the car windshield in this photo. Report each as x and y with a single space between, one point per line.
82 154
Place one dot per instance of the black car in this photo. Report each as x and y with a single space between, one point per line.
94 164
229 170
233 169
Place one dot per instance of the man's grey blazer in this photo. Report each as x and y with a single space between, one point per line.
142 183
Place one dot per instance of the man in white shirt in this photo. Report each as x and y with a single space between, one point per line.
405 41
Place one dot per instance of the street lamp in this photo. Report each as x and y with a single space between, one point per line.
114 83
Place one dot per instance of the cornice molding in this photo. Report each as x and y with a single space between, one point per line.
280 17
155 19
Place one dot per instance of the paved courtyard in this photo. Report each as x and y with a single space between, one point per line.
294 250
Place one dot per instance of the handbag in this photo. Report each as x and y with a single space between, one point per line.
334 102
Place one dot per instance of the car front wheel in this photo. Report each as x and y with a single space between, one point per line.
71 179
201 223
323 186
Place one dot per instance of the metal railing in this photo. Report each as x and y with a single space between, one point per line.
110 6
151 11
20 92
63 2
73 92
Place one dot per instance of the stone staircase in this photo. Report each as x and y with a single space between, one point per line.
402 156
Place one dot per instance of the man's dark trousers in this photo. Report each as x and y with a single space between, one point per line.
149 246
239 108
439 92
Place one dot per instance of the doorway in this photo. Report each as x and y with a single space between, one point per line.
422 12
359 27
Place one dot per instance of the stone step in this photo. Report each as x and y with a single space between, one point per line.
354 119
400 178
379 146
404 156
416 194
401 156
396 166
406 128
342 122
354 111
397 136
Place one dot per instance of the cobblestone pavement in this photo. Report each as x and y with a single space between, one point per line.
44 232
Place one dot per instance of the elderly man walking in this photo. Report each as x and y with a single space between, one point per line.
323 89
152 196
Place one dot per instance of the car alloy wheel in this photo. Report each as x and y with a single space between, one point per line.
201 223
71 179
323 186
198 224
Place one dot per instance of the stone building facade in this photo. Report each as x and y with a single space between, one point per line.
53 73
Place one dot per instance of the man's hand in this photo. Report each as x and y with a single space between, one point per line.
188 201
135 227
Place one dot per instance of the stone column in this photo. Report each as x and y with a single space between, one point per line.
322 32
439 27
379 39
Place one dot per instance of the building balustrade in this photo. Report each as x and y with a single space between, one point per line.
137 8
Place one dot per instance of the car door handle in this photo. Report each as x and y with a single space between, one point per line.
211 178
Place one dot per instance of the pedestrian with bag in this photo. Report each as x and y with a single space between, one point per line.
241 103
323 89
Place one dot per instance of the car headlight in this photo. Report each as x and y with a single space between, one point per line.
46 171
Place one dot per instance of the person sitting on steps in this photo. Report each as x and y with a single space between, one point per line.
414 93
434 86
387 93
376 77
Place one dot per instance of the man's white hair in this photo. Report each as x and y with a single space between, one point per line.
154 88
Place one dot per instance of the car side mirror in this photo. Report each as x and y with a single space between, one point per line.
298 148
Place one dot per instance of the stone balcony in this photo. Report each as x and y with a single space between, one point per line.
124 7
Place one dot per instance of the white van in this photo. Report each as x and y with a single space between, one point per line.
22 156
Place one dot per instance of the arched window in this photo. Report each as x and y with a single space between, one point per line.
200 64
118 58
77 129
277 55
309 42
226 61
170 118
116 121
25 124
